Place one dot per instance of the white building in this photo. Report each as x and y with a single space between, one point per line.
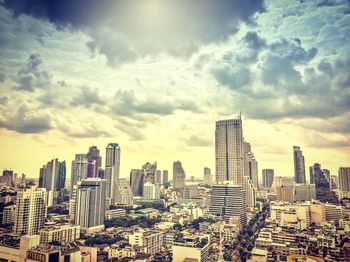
119 212
152 241
123 193
8 216
191 248
61 233
112 169
151 191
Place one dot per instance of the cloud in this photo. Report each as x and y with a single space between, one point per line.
124 30
88 97
31 77
195 140
27 122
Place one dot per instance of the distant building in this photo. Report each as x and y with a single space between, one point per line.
191 248
229 155
299 166
8 216
322 179
165 177
267 177
159 177
136 181
179 176
113 213
112 169
94 161
151 191
207 177
79 171
30 212
90 204
189 191
152 241
61 233
304 192
7 177
284 187
123 193
150 172
250 192
227 201
250 165
344 179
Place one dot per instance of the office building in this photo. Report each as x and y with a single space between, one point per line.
191 248
64 234
304 192
151 191
90 204
151 241
8 216
150 172
284 187
299 166
94 161
7 177
113 213
250 192
322 178
207 176
250 165
79 171
165 177
229 157
228 201
344 179
123 193
159 177
179 175
30 212
112 169
267 177
136 181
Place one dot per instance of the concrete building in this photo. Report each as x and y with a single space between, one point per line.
344 179
304 192
179 175
136 181
8 216
152 241
267 177
7 177
333 212
90 204
229 155
150 172
112 169
284 187
94 161
123 193
191 248
30 212
227 201
250 165
151 191
165 177
207 176
79 171
299 166
113 213
250 192
64 234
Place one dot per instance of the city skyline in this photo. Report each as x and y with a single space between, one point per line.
104 75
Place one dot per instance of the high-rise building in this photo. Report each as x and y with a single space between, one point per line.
151 191
323 192
267 177
30 211
90 204
53 177
159 177
299 166
229 201
150 172
123 193
136 181
207 177
179 176
344 179
79 170
165 177
229 159
112 169
250 165
284 187
304 192
250 192
94 161
7 177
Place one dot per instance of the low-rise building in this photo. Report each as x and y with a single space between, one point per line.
152 241
65 234
191 248
109 214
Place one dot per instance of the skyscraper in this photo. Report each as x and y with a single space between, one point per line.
52 176
299 166
267 177
229 201
94 161
30 212
136 181
151 191
90 204
123 193
229 160
150 172
250 165
323 192
344 179
284 187
179 176
207 177
7 177
165 177
79 170
250 191
112 169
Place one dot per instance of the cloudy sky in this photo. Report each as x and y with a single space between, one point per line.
155 75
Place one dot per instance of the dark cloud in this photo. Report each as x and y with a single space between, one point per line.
123 30
30 76
254 41
87 97
24 122
234 78
3 99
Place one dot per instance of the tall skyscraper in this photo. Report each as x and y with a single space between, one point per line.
229 159
284 187
52 176
267 177
323 192
159 177
250 191
165 177
207 177
179 175
229 201
112 169
299 166
7 177
79 170
344 179
94 161
250 165
136 181
150 172
30 212
123 193
90 204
